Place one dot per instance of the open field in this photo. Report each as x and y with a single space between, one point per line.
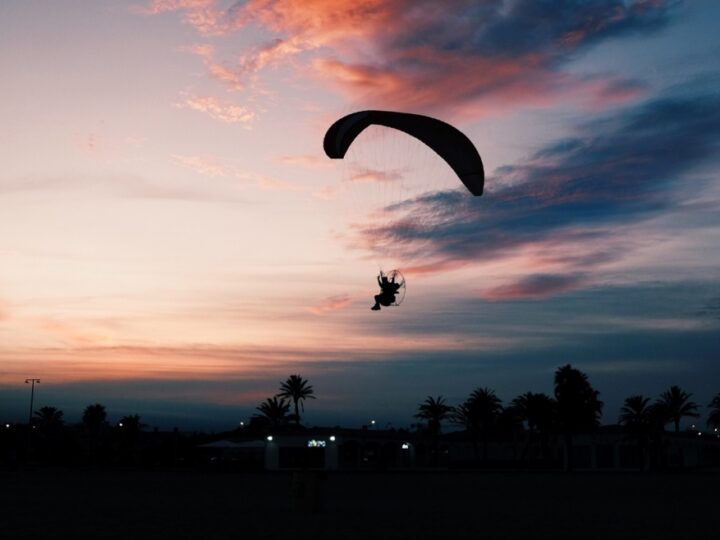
136 504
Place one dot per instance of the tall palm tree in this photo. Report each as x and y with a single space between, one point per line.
49 418
94 417
578 405
714 417
639 419
435 412
487 408
677 404
297 389
537 410
94 420
274 412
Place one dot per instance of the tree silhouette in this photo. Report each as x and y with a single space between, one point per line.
538 411
131 423
714 416
535 409
677 405
640 419
94 420
94 417
296 389
130 428
578 406
635 414
435 412
485 408
274 411
49 418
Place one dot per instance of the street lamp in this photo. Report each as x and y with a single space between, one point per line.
32 396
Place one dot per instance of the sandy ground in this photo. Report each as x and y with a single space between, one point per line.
133 504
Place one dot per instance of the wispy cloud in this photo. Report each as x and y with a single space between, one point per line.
204 15
331 303
212 166
225 112
514 50
534 286
310 161
374 175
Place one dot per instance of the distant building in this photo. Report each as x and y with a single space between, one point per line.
608 448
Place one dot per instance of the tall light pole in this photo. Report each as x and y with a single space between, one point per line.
32 396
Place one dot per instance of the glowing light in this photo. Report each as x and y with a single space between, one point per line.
316 444
8 426
120 424
332 437
269 438
405 446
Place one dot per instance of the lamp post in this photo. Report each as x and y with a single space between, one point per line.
32 396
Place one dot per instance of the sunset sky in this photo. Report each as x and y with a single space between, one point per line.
174 242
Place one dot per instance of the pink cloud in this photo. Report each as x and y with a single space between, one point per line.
464 66
371 175
331 303
225 112
204 15
311 161
534 287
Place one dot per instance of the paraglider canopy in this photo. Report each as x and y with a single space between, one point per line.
448 142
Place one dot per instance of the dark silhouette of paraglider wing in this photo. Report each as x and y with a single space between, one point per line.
447 141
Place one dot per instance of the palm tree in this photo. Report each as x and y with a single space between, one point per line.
714 417
639 418
434 411
49 418
487 408
677 404
635 413
93 417
537 410
296 389
274 412
578 406
466 416
93 420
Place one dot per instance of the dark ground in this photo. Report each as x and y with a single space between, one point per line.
135 504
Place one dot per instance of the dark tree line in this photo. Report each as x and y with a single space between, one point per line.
574 408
